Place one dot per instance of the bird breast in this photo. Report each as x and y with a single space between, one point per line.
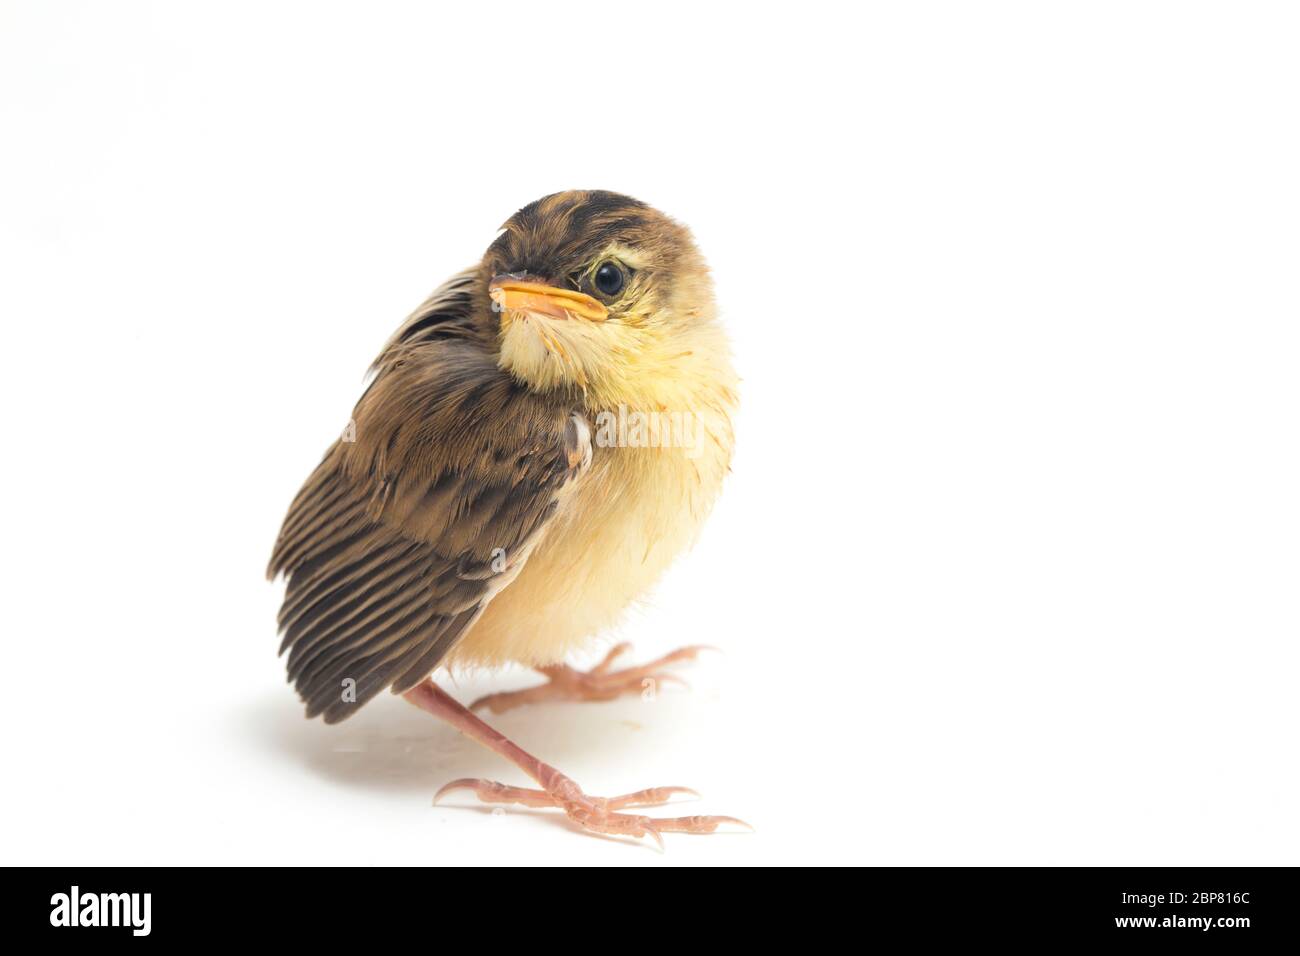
635 508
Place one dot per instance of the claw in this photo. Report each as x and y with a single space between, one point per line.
657 838
464 783
698 824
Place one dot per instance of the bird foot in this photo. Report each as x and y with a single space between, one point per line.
599 683
597 814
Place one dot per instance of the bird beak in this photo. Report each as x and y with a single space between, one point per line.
512 294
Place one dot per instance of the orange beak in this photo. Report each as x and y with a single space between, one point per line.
510 294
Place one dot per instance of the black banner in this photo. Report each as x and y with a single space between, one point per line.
1230 907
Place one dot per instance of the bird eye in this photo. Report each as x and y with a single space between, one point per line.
609 279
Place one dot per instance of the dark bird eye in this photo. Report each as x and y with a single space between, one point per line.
609 279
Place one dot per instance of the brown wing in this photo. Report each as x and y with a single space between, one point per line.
400 538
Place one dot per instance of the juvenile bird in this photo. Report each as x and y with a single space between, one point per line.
540 439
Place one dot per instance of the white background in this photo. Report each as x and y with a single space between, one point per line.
1007 568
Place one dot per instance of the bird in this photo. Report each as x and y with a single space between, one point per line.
537 443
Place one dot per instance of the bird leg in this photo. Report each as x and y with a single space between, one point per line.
598 814
599 683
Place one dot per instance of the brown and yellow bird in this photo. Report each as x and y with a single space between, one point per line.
541 438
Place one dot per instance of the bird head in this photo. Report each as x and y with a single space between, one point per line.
597 294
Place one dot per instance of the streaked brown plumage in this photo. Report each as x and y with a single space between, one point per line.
473 519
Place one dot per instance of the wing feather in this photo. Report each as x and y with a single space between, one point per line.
394 545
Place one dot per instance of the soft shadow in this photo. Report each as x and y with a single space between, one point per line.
391 746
